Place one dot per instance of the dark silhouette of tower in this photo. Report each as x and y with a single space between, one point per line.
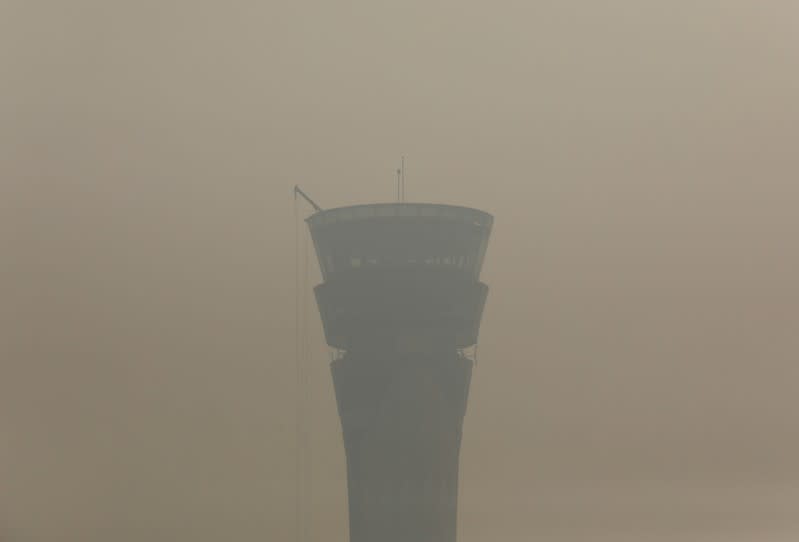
400 298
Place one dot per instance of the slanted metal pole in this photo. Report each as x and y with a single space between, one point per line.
298 190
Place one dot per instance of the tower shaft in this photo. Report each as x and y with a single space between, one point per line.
402 419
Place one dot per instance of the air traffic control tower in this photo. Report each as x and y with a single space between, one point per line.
401 297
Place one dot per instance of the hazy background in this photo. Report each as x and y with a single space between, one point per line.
637 375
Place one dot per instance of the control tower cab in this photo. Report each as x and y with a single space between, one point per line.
407 273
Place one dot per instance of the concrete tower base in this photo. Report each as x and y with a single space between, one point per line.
402 418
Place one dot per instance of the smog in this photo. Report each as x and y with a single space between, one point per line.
574 318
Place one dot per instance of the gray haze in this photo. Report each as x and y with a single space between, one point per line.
637 367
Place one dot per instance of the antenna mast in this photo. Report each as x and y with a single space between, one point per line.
399 173
401 180
402 169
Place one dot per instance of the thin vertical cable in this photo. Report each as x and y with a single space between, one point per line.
306 440
298 382
302 350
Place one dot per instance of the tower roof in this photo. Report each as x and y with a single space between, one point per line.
400 235
379 211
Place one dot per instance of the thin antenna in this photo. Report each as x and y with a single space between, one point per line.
402 168
399 172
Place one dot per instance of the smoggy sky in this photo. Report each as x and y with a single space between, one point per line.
637 373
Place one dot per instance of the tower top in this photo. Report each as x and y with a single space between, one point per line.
398 236
401 273
381 211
